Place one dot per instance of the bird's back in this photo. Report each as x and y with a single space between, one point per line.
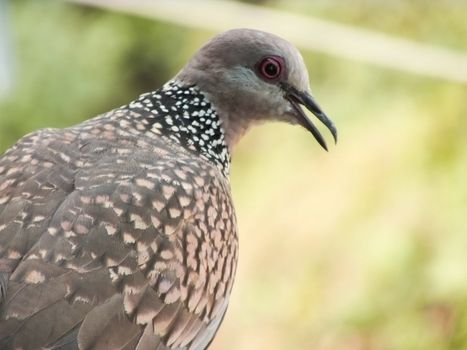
112 236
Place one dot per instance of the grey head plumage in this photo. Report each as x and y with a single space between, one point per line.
252 76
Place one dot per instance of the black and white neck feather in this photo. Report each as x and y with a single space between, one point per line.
184 115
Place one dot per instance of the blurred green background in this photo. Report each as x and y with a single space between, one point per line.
364 247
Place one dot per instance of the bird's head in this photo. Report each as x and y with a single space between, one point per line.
252 76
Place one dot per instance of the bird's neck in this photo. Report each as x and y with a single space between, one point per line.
184 115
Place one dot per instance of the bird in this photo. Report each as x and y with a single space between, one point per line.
120 232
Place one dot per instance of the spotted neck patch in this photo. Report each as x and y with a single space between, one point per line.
184 115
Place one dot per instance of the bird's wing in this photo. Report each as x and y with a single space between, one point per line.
109 247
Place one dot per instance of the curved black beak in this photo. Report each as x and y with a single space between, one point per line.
297 98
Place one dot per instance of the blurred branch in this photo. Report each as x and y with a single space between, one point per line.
5 50
307 32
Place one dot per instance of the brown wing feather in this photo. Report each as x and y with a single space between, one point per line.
106 245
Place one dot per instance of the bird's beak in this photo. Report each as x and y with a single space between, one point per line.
297 98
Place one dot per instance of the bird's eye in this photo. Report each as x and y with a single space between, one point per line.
270 68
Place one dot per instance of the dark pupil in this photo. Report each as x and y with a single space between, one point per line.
270 69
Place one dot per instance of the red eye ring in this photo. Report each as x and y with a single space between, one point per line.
270 68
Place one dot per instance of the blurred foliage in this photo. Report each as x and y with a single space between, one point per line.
438 22
359 248
77 62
